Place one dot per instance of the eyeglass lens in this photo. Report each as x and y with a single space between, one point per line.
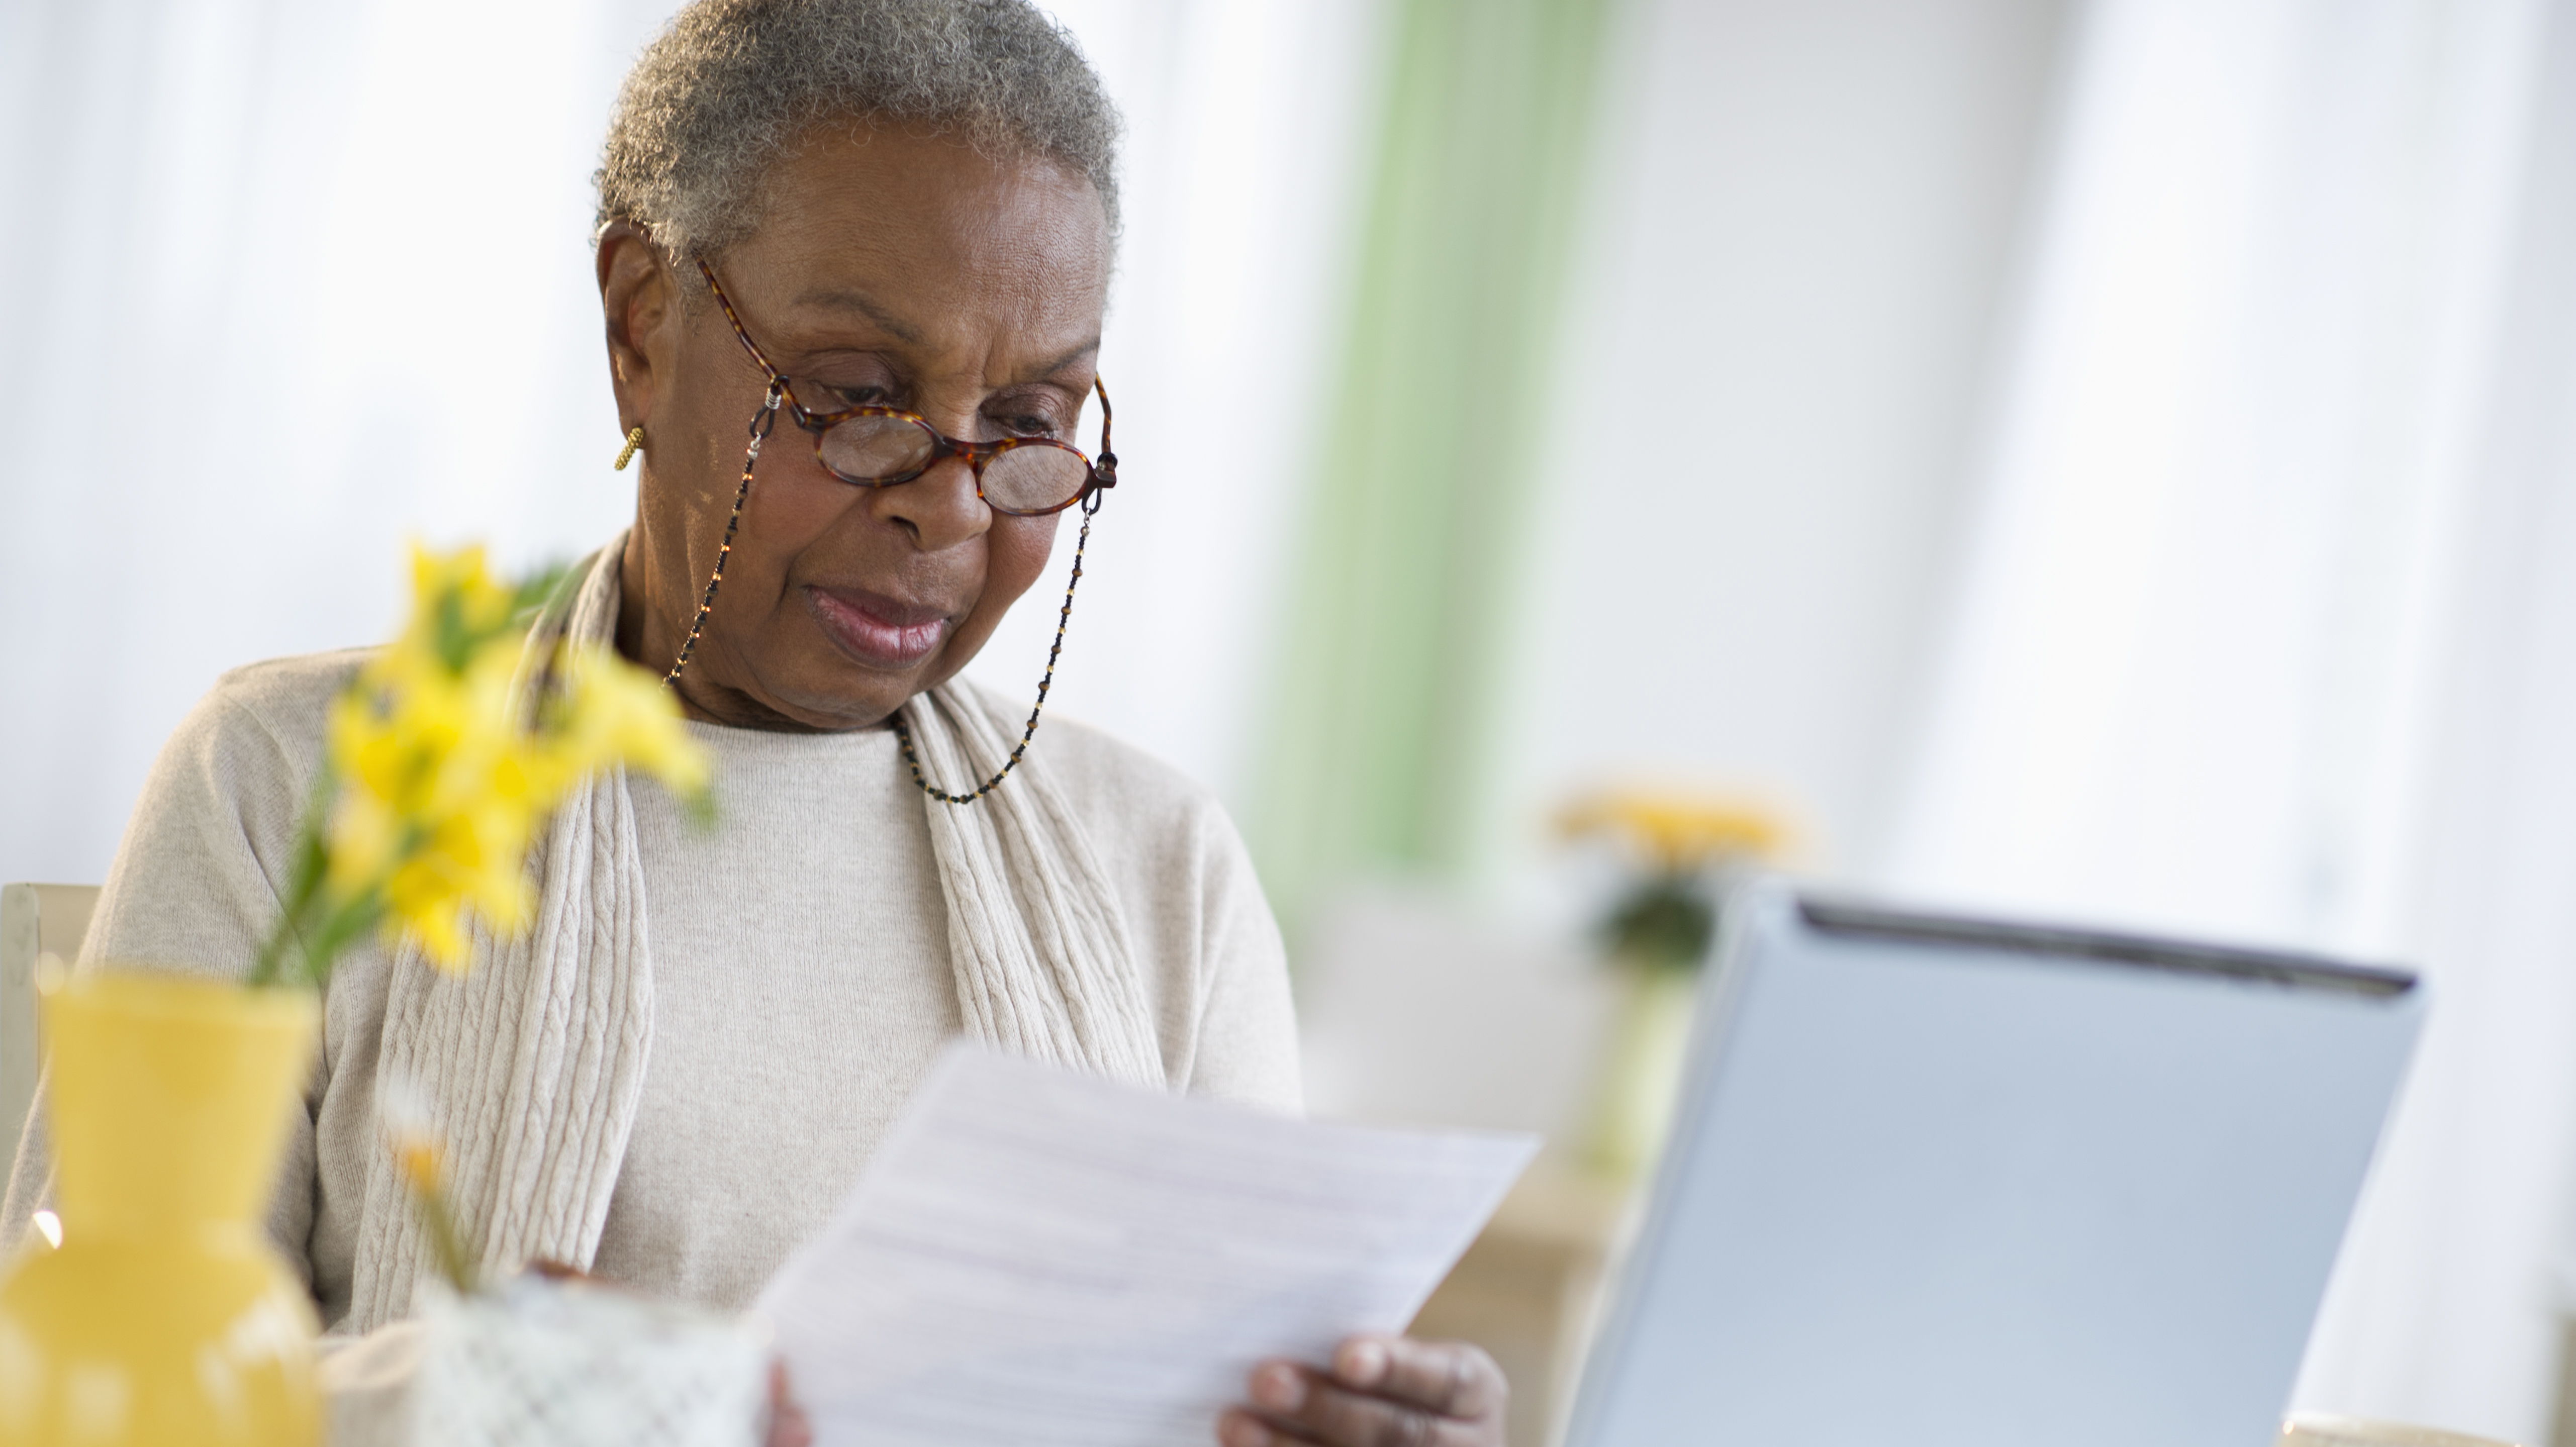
1034 477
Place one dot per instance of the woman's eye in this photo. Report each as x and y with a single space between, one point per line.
857 396
1030 424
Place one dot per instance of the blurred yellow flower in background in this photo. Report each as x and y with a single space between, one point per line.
1666 916
1678 831
442 763
1658 931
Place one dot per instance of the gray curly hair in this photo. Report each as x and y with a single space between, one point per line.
728 84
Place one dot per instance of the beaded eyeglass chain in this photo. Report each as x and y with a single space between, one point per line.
761 424
1064 615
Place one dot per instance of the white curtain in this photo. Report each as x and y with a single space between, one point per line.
287 281
2268 629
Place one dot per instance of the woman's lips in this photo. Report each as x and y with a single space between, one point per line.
875 629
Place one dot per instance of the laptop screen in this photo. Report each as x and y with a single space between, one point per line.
1937 1181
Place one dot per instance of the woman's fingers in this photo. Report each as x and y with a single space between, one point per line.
788 1426
1452 1378
1335 1416
1381 1393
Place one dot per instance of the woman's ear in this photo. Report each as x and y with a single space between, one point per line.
640 304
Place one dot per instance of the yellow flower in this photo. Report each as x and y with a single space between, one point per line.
612 712
446 774
1678 831
457 604
418 1162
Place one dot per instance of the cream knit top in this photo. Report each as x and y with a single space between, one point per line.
800 970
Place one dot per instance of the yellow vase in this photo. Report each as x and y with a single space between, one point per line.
1641 1069
165 1317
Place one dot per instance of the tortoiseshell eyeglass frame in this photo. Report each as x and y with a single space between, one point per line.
1096 475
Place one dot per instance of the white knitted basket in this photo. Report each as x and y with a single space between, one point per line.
540 1363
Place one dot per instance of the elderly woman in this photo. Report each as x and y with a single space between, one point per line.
852 261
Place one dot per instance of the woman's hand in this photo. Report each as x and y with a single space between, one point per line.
788 1426
1381 1392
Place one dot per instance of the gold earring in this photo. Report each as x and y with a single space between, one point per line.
626 454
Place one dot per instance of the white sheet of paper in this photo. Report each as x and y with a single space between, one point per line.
1042 1259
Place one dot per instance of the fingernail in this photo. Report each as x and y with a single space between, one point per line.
1361 1363
1238 1430
1278 1388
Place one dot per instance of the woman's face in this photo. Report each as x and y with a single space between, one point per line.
890 269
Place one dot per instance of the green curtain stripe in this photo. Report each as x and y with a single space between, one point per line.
1409 553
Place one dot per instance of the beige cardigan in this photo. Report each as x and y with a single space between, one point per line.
1110 888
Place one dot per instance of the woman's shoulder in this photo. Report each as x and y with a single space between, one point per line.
1194 910
1156 827
255 738
1108 780
286 697
210 843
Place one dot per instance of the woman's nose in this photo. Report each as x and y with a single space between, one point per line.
940 508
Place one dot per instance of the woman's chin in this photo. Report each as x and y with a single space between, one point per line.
840 701
808 683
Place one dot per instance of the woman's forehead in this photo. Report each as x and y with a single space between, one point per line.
927 242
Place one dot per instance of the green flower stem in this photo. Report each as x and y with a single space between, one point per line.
444 1240
1666 922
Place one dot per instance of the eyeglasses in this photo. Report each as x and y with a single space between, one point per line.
884 446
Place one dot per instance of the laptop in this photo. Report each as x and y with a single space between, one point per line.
1948 1183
